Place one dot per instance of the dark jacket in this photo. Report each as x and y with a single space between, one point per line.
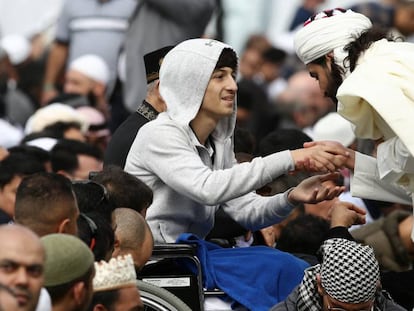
382 302
122 139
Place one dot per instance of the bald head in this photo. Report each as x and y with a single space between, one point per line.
304 93
19 233
22 259
301 84
132 235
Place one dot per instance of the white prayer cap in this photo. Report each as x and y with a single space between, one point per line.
327 31
116 273
17 48
92 66
51 114
334 127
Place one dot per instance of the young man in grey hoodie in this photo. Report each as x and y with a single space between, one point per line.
186 155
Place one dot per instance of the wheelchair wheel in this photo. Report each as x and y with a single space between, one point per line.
157 298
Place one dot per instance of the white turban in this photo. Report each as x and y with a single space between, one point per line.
325 33
92 66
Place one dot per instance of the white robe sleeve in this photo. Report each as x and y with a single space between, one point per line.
366 183
395 163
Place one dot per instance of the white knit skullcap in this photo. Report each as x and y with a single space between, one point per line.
92 66
326 32
17 48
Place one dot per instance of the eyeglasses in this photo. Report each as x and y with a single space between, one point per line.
341 309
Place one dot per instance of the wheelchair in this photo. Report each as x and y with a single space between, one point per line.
174 290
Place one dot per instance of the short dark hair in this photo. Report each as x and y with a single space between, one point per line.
107 298
58 292
58 129
97 233
125 190
282 139
18 164
244 141
64 154
92 196
228 58
303 235
274 55
37 201
37 153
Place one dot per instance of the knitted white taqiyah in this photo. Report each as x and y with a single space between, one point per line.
92 66
117 273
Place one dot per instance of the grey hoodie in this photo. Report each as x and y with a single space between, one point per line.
191 180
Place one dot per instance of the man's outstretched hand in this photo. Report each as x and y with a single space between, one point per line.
313 189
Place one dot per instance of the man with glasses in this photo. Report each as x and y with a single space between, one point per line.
348 279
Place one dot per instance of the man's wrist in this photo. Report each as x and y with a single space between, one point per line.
291 201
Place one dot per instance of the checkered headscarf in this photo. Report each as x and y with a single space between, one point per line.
349 273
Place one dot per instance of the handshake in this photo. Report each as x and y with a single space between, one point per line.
323 156
326 157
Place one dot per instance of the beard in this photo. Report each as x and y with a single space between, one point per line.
335 81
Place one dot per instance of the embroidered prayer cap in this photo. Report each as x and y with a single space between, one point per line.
153 62
116 273
328 30
67 258
349 271
92 66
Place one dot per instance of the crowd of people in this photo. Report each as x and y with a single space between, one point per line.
140 130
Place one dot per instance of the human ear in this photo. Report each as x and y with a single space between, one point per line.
79 292
62 228
329 59
99 307
117 247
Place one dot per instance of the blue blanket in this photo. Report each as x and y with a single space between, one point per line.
256 277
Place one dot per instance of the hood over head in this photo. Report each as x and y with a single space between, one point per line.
184 76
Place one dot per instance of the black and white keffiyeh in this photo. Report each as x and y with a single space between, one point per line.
349 273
